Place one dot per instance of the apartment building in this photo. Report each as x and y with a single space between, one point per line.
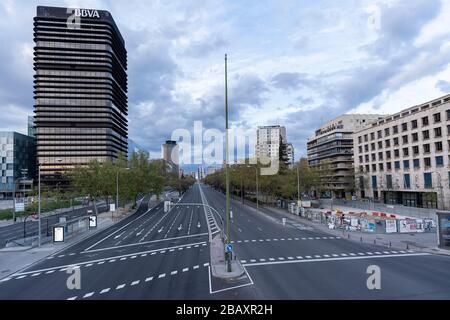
404 158
331 150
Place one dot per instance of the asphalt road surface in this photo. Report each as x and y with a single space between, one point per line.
30 227
165 255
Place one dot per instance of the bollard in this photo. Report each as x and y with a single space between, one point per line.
348 235
374 241
360 239
390 244
407 246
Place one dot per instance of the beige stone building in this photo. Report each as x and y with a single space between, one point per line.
404 158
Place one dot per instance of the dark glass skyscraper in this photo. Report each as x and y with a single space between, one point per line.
80 89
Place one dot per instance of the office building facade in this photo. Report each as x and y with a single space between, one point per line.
405 158
331 150
80 89
17 157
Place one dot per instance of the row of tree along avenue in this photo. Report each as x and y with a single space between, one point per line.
136 176
285 184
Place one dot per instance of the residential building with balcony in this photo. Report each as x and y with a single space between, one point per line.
331 151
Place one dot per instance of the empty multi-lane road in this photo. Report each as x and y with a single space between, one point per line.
158 255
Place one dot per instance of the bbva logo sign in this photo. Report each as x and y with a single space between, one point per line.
86 13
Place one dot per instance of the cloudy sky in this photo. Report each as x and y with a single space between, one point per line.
291 62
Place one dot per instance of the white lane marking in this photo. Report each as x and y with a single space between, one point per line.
299 257
195 267
262 260
21 277
259 229
50 271
119 235
361 253
344 254
171 250
124 258
134 220
89 265
64 268
4 280
308 257
326 255
337 259
352 254
162 275
185 269
370 253
280 258
112 260
243 261
105 290
35 274
173 272
290 258
316 256
135 282
143 255
164 251
87 295
206 264
394 252
133 257
271 259
120 286
148 279
252 260
72 298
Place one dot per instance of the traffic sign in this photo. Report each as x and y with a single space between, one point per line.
92 221
229 248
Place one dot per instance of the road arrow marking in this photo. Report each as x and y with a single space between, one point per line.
160 230
198 225
180 227
119 235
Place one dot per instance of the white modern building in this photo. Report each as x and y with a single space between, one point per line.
269 139
290 154
272 139
331 149
404 158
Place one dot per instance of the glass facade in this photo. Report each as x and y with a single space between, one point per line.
17 155
80 91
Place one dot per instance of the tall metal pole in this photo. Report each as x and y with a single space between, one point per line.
14 199
39 205
257 193
227 178
117 190
298 186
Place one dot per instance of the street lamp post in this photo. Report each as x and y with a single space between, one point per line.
298 186
117 187
257 192
227 177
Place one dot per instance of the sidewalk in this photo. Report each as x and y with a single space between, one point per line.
426 242
15 259
4 223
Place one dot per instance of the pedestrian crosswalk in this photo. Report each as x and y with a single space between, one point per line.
285 239
328 256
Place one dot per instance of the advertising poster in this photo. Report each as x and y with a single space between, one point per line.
58 234
391 226
411 225
368 225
